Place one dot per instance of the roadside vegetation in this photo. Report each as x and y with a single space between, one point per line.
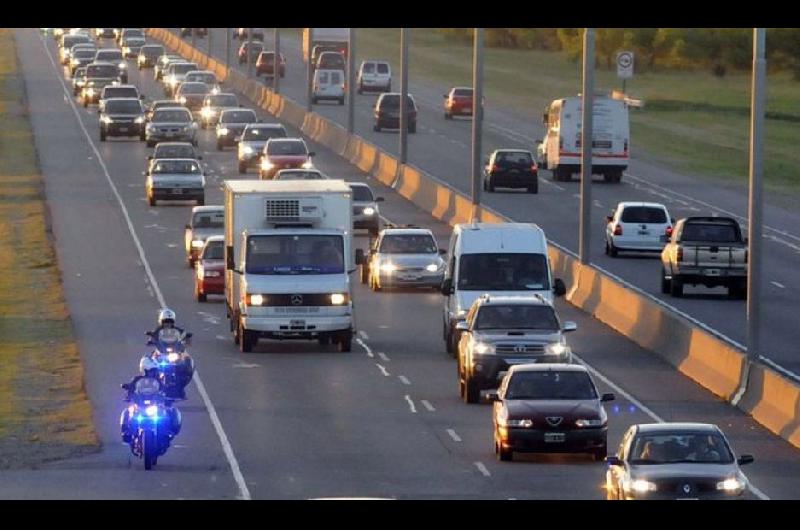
44 411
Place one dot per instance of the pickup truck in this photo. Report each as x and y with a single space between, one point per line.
706 251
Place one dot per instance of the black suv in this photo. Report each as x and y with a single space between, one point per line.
122 117
511 168
387 112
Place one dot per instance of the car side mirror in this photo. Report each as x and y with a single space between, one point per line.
442 251
379 199
609 219
312 153
613 460
149 157
447 286
608 397
537 142
559 289
745 459
199 157
492 396
141 96
462 326
569 326
360 260
188 226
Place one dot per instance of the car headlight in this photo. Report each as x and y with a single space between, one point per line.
222 131
126 50
122 65
388 267
173 357
247 150
433 267
215 90
256 299
151 410
90 92
484 348
198 243
524 424
182 100
308 164
105 119
639 486
732 484
338 299
266 164
557 348
140 119
589 423
206 112
369 210
461 313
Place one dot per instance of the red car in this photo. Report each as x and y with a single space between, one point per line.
284 153
254 47
265 64
210 270
458 101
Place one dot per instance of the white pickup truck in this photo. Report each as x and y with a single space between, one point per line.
706 251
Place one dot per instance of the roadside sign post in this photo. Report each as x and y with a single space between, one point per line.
309 70
404 32
248 51
227 49
624 67
477 119
584 236
351 81
276 64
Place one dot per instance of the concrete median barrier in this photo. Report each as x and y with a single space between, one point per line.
705 358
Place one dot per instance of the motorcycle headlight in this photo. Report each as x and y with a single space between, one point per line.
173 357
338 299
388 267
369 210
731 485
222 131
151 411
198 243
484 348
140 119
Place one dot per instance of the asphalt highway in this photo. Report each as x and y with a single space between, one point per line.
290 421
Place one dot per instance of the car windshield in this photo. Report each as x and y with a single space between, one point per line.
408 244
368 68
263 133
226 100
152 51
287 148
120 92
176 166
172 116
680 447
503 272
331 59
551 385
174 151
643 215
193 88
393 102
298 175
521 158
464 92
295 254
208 219
84 54
214 250
108 55
202 78
182 68
101 70
134 33
72 40
362 194
161 103
383 68
516 316
130 106
709 233
238 116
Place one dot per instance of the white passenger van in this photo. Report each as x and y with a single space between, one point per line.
507 258
329 84
560 151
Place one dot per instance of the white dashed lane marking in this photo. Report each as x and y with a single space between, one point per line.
453 435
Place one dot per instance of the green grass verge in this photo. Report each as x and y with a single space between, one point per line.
44 411
693 122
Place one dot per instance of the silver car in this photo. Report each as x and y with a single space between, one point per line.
171 124
213 105
205 221
178 179
404 257
675 461
637 227
366 213
254 138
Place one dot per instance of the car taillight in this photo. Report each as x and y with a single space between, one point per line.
495 168
534 168
618 230
668 231
680 254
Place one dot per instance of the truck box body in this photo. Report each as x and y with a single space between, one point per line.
326 36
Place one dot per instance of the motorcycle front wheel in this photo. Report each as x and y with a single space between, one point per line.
149 449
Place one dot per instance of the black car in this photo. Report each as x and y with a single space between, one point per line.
549 408
148 55
122 117
675 461
113 56
98 76
387 112
511 168
231 125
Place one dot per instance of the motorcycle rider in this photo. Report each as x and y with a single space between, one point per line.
168 331
148 377
166 320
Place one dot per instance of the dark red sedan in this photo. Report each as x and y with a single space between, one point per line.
458 101
210 270
265 64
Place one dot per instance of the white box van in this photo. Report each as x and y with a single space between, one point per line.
329 84
507 258
374 75
561 148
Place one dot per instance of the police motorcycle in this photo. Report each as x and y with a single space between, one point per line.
175 365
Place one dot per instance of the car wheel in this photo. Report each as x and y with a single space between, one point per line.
600 454
364 274
346 342
504 455
201 297
665 284
242 168
247 340
472 393
676 287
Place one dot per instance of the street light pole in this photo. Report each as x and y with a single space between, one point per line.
227 49
309 70
404 32
586 145
477 119
756 199
276 63
248 51
351 81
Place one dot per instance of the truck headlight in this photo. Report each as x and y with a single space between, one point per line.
557 348
369 210
198 243
338 299
256 299
484 348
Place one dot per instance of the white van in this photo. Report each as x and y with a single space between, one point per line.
329 84
374 75
561 148
507 258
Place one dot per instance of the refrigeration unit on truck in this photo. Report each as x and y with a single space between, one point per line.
332 39
560 150
288 256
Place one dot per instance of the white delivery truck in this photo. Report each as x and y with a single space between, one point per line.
333 39
560 151
288 257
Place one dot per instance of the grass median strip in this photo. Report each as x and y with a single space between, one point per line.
45 413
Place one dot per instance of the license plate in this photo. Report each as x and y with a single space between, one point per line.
409 277
554 437
123 129
297 323
644 232
712 272
177 191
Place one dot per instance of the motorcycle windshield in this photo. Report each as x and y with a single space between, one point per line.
147 386
169 335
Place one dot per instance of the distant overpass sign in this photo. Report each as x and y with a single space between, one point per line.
625 65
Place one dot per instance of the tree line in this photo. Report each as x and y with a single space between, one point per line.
718 50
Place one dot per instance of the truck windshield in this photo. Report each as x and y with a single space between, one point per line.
503 272
295 254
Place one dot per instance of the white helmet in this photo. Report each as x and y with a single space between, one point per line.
165 315
147 364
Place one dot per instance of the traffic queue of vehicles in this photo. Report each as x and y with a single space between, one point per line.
280 249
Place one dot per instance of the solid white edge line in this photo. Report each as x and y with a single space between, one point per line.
647 411
453 435
383 356
226 447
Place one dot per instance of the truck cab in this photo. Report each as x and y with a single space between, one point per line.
289 254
